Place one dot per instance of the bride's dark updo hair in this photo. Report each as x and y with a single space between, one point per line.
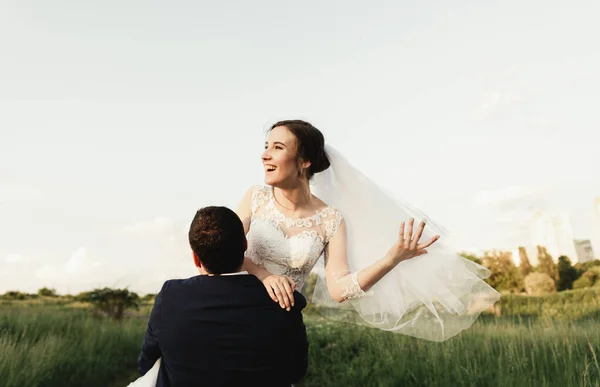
311 144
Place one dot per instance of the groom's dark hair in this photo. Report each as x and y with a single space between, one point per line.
217 237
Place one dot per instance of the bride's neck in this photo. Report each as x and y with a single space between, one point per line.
293 198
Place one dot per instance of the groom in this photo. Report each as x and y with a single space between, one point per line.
221 328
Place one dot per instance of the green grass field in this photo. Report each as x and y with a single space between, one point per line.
62 345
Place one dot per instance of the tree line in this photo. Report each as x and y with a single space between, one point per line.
546 277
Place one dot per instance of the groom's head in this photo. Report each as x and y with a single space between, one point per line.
218 240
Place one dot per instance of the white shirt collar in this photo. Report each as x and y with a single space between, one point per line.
236 273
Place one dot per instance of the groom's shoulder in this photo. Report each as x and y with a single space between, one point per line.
177 283
299 300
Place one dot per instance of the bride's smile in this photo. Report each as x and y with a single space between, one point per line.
280 159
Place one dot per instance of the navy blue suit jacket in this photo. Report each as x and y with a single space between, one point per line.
224 331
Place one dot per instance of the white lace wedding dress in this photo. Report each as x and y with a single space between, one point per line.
286 246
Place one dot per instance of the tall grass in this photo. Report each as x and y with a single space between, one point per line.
44 345
495 352
568 304
59 346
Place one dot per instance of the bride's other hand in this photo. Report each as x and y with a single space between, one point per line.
407 246
281 289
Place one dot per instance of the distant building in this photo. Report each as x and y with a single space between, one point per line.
585 253
553 231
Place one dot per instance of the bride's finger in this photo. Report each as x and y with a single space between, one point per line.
279 296
291 282
428 243
271 293
290 294
283 294
409 233
418 235
402 231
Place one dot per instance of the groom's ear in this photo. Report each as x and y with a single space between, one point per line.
196 260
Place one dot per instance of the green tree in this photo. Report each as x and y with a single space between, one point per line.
113 302
504 274
567 274
148 297
537 284
45 292
15 295
524 265
82 297
585 281
546 263
583 267
588 279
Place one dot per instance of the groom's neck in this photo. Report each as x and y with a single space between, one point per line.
203 271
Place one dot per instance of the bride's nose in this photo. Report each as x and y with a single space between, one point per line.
266 155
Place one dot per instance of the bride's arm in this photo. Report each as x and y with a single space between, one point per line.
280 288
343 284
244 211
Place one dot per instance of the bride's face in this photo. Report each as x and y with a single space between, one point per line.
280 158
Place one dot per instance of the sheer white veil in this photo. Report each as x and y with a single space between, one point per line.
433 297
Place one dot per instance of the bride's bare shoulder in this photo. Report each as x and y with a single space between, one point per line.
323 206
318 203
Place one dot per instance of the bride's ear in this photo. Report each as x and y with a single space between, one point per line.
303 166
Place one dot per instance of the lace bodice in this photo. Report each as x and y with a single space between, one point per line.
287 246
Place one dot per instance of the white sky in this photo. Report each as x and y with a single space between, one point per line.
119 120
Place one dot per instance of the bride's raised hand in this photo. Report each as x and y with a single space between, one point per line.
407 246
281 289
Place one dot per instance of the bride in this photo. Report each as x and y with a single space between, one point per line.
315 204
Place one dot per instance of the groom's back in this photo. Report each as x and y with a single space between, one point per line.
226 331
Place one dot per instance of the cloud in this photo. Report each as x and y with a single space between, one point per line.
511 71
159 226
494 101
10 193
502 94
16 259
510 197
510 210
142 269
79 264
76 273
